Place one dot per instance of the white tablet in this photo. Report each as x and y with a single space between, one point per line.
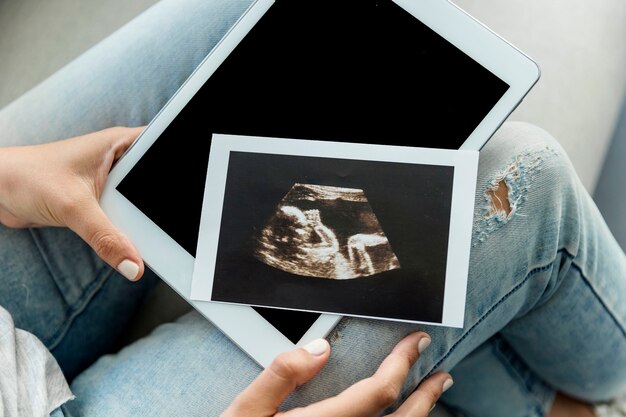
401 72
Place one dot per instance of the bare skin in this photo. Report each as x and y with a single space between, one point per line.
568 407
500 198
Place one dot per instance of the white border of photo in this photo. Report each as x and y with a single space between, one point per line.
465 165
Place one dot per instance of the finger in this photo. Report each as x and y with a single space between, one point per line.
288 371
122 138
112 246
424 398
370 396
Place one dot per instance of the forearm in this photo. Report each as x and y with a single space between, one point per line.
3 168
11 159
15 169
5 177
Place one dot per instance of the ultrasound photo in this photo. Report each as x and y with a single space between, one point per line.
325 232
363 237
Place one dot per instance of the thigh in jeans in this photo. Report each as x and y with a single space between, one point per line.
521 264
55 286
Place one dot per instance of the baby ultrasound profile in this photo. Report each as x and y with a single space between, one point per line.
325 232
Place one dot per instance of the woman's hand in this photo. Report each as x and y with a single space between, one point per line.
368 397
59 184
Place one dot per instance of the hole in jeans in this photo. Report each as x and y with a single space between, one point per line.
499 197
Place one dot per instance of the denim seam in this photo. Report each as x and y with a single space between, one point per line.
491 310
78 307
517 287
588 283
46 262
74 309
529 386
595 293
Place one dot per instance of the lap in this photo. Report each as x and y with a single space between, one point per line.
509 280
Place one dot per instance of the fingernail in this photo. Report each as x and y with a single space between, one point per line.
432 408
423 344
129 269
316 347
447 384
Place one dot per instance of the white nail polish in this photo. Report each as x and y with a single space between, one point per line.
423 344
316 347
129 269
447 384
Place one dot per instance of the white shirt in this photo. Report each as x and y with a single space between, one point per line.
31 381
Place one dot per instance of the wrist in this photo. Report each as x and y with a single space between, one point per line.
5 172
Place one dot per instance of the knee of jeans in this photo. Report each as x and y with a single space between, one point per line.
523 170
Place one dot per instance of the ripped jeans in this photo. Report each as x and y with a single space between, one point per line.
545 309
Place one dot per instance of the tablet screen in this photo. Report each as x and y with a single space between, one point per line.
342 70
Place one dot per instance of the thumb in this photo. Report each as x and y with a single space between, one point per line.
111 245
288 371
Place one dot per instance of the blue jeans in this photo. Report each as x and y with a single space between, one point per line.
545 310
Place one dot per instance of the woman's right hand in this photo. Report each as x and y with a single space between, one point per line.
368 397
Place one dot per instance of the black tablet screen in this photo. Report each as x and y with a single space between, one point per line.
343 70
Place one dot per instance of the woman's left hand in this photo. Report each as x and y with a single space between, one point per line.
366 398
60 183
